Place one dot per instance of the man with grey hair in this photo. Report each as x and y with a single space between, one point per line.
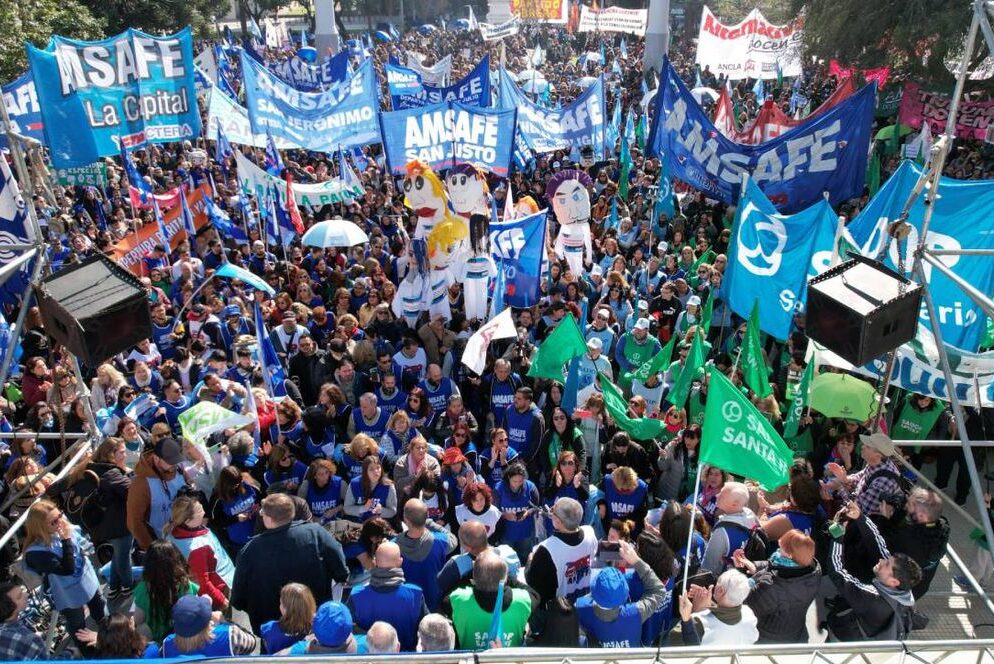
435 634
368 418
381 639
471 608
719 616
732 531
560 565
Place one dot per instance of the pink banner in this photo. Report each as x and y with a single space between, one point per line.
838 71
168 200
880 75
917 105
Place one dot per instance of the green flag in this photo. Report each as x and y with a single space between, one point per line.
707 257
708 312
988 340
640 428
659 362
799 404
206 417
562 345
757 374
640 133
738 439
691 368
873 174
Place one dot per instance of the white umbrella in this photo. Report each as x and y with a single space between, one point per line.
528 74
591 56
700 94
535 86
334 233
586 82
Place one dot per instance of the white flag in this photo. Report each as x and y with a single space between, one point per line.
500 326
509 204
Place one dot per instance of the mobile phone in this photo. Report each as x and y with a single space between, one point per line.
608 552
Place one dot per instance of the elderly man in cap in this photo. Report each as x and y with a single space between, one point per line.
634 349
601 329
286 338
561 563
589 365
234 326
878 480
156 484
641 311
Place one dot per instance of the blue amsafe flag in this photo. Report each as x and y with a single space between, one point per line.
517 247
794 170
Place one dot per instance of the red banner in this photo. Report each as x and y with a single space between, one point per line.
917 105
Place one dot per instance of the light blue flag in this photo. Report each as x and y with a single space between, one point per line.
232 271
961 221
629 126
664 197
161 223
772 255
613 221
222 222
188 224
497 618
500 286
613 132
697 78
603 54
759 89
624 48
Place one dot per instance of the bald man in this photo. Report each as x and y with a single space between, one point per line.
388 597
458 570
382 639
425 545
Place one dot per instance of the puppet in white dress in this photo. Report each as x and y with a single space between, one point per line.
567 192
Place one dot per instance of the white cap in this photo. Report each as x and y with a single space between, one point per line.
694 300
642 324
663 245
643 305
604 312
595 343
596 270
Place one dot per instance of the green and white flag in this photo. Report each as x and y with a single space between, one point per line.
799 404
751 361
659 362
690 372
206 417
738 439
639 428
562 345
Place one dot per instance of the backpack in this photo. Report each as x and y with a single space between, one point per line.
82 503
756 544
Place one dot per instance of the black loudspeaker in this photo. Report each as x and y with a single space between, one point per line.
95 309
861 310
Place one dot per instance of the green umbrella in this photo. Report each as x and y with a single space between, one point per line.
841 395
888 131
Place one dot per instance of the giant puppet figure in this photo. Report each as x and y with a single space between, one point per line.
443 233
468 190
477 268
570 199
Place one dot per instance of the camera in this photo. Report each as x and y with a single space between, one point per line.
608 552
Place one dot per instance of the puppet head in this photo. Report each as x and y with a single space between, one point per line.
525 206
445 239
567 192
424 193
467 189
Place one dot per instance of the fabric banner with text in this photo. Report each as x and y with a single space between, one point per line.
754 48
825 155
505 29
232 118
438 74
128 252
21 100
613 19
472 90
133 87
310 78
256 181
917 104
322 121
541 11
444 135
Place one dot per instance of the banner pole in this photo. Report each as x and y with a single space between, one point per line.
693 518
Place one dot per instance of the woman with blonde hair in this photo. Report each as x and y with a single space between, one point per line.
105 386
297 609
397 437
210 565
54 549
354 455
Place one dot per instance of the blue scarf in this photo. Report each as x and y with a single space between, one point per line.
781 560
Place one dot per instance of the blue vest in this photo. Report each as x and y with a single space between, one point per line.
163 339
274 639
424 573
496 469
619 505
173 411
799 520
353 467
502 394
625 631
225 568
374 430
240 531
219 647
320 447
737 537
516 531
439 397
380 494
322 500
662 619
400 606
295 472
161 496
70 591
519 429
391 405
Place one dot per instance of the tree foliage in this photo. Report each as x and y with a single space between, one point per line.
36 21
915 36
157 16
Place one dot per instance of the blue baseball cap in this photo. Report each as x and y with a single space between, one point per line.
191 615
332 624
232 310
609 589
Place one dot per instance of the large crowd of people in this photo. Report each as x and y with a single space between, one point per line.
394 498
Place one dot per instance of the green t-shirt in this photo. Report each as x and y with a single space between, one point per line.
159 625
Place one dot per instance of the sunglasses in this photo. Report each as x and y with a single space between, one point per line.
458 435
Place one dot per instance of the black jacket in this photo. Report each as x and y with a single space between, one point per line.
925 543
301 552
113 496
310 372
781 599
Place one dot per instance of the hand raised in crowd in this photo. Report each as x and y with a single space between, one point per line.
628 553
700 597
743 563
686 608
